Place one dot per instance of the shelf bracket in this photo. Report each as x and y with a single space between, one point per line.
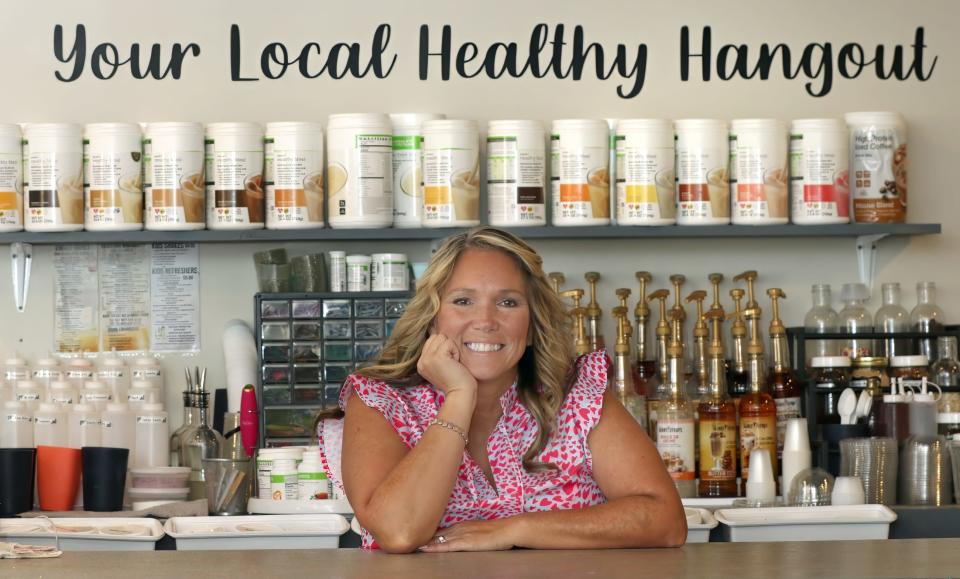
21 255
867 248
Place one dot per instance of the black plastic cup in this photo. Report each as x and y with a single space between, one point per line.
17 466
104 475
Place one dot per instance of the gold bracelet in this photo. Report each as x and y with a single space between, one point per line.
450 426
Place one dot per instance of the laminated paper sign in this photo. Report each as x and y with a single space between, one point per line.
76 300
175 297
125 298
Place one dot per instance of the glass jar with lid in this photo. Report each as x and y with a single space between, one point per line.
870 372
830 375
912 369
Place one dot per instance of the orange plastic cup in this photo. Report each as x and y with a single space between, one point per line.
58 477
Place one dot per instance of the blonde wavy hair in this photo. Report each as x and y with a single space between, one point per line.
546 369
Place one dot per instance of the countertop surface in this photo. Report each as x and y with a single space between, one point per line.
900 558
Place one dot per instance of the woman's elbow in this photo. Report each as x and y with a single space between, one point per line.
396 545
674 532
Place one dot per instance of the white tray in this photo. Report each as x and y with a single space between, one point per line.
708 503
833 523
257 532
39 531
271 507
700 532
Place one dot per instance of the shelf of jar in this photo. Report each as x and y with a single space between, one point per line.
548 232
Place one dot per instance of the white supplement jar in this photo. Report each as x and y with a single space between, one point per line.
293 175
113 177
612 165
338 271
312 482
516 174
819 175
173 163
360 170
758 172
358 273
408 167
283 480
265 461
234 169
11 178
703 190
878 167
53 177
580 172
645 175
389 272
451 173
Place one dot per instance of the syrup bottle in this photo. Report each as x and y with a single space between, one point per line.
782 382
758 411
676 429
580 343
645 379
738 380
717 423
700 334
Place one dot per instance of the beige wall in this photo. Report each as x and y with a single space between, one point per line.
205 93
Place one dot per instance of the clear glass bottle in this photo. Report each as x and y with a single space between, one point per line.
198 443
191 418
892 317
821 319
856 319
927 317
945 372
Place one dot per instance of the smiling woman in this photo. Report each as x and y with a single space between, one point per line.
478 430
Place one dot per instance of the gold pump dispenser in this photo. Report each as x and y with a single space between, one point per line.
557 279
580 342
700 334
750 277
623 386
594 333
758 411
738 381
641 314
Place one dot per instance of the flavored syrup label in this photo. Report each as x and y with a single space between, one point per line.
675 444
718 449
787 408
757 432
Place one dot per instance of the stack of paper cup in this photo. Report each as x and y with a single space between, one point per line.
796 451
761 484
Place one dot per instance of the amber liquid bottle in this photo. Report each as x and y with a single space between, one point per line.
782 383
758 416
717 430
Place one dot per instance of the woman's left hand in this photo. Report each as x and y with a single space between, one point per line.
473 536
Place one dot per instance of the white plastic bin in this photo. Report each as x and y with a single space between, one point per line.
84 534
832 523
699 531
257 532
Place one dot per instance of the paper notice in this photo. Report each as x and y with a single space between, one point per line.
175 297
76 285
125 298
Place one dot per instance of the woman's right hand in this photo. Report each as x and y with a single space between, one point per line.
439 363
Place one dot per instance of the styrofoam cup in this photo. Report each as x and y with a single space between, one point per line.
848 490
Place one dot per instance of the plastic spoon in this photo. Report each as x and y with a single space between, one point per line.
864 404
847 406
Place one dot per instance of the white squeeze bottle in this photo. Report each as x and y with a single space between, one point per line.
923 412
47 370
16 426
152 440
142 392
312 483
78 371
115 374
14 369
50 425
30 393
96 394
63 393
147 368
84 423
117 426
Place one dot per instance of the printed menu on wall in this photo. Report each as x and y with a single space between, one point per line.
128 298
76 299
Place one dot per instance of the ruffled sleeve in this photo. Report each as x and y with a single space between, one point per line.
388 402
584 402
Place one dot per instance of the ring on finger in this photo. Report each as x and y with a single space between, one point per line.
441 539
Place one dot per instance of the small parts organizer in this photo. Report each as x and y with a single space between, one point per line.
307 344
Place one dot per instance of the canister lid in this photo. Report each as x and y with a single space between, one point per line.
908 361
830 362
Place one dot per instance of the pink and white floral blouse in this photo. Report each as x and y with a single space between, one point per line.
571 486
